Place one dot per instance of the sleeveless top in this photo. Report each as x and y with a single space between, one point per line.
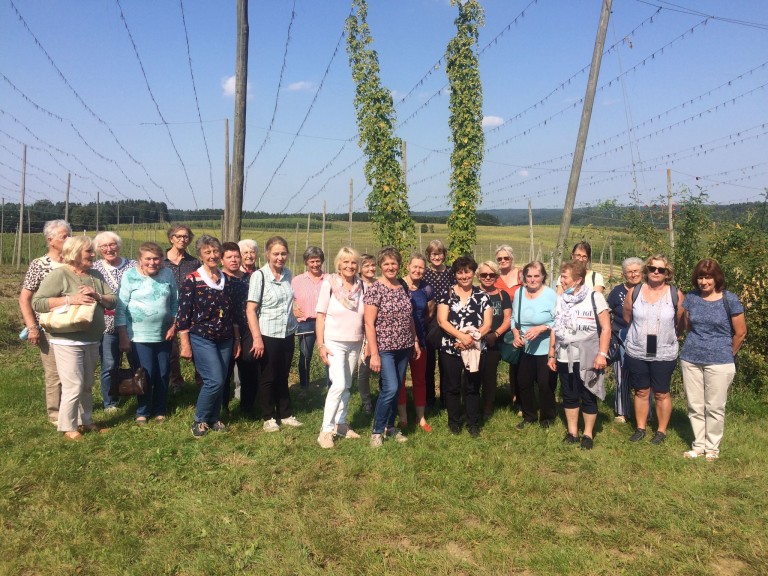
653 318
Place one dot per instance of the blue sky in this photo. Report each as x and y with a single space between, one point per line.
682 86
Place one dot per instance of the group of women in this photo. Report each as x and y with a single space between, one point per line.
227 312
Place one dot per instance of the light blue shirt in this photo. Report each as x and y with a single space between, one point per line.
275 300
537 312
147 305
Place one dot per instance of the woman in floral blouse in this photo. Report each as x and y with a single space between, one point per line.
391 336
207 329
465 314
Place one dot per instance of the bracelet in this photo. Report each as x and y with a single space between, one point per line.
551 357
604 354
66 300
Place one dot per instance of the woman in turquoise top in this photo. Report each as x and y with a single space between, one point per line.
533 314
145 321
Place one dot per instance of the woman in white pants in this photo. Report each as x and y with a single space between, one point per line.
339 338
716 328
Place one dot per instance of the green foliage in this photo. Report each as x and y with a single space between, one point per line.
693 224
424 228
466 117
643 226
388 199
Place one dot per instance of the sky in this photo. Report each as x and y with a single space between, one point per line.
130 98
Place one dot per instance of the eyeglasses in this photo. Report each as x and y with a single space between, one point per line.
503 258
659 269
111 246
582 257
181 237
487 275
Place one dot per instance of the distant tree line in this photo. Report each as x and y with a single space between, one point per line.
83 216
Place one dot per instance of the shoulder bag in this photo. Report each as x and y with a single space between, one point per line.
510 353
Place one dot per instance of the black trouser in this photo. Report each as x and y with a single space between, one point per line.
274 366
489 367
432 355
534 370
455 386
248 372
514 388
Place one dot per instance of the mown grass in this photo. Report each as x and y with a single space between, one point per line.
153 500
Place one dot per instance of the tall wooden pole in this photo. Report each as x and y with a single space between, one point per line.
227 183
350 210
98 202
530 229
66 199
238 150
671 220
20 230
29 236
581 139
307 243
118 216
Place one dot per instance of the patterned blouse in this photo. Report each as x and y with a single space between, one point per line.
205 308
113 275
470 314
393 321
240 298
38 269
440 281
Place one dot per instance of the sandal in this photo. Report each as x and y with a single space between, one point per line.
73 435
692 454
141 420
711 456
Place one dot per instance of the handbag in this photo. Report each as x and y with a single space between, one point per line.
434 336
509 352
614 346
126 382
68 318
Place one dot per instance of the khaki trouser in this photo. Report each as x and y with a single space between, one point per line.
52 380
706 389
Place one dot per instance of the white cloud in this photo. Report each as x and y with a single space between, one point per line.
228 87
302 86
492 121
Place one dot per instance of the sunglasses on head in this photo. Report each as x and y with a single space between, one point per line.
487 275
659 269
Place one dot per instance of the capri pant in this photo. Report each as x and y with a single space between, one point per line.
574 391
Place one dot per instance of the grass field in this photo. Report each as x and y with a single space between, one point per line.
154 500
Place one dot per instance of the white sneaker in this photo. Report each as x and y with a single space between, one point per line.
377 440
620 420
396 434
325 439
692 454
111 410
291 421
345 431
271 426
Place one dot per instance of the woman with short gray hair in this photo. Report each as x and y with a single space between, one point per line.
112 266
631 269
306 290
249 254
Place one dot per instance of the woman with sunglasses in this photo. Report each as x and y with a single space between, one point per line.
488 273
653 310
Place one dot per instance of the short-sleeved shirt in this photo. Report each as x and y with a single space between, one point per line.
420 299
38 269
147 305
306 289
539 311
275 300
710 340
656 318
440 281
462 315
342 324
583 323
205 307
393 320
113 275
499 303
616 304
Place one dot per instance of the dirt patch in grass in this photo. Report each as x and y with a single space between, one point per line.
729 567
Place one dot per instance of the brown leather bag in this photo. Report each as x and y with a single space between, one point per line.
126 382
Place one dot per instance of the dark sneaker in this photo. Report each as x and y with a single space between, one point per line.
570 439
586 443
523 424
218 426
638 435
474 431
199 429
546 423
658 438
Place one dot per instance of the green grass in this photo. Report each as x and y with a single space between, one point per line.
154 500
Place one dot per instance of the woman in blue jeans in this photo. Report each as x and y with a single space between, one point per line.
208 331
146 324
391 336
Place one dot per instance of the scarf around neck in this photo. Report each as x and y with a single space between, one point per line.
564 319
349 298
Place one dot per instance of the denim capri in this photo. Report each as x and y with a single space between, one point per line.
644 374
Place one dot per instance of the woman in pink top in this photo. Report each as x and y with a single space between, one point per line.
339 340
306 289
